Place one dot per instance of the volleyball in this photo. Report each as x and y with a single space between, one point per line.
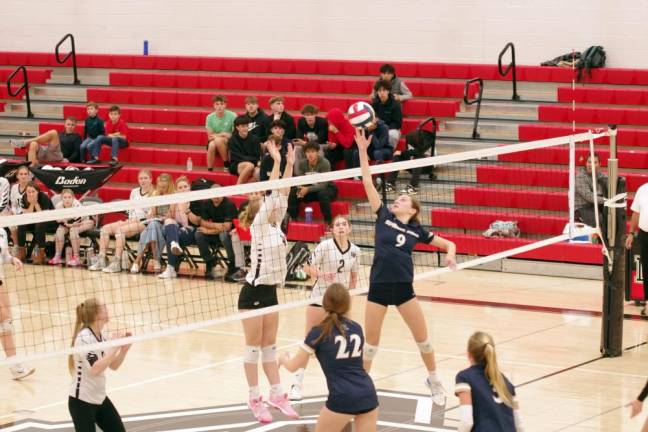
361 114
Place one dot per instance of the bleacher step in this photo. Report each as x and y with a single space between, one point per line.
41 110
488 129
59 93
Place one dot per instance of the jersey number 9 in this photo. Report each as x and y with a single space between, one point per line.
400 240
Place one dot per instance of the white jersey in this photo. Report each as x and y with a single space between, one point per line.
140 213
329 258
16 199
5 255
85 386
5 193
269 246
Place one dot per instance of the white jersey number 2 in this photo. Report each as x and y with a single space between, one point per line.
342 349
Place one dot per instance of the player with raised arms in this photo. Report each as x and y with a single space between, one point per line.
334 260
263 215
18 371
486 396
392 272
337 343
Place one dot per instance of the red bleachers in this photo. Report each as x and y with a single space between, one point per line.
604 95
560 156
35 76
481 219
510 198
600 115
628 137
542 177
237 100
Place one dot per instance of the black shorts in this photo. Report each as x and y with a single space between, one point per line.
395 293
233 168
257 297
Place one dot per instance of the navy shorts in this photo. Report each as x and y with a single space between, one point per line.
391 293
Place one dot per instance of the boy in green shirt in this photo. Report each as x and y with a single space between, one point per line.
219 125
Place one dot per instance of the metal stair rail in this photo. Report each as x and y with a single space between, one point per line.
510 68
478 101
25 86
72 54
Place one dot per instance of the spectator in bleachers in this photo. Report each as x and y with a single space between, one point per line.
93 128
398 88
323 192
116 136
310 128
258 120
341 139
388 110
278 112
124 229
214 226
179 231
276 139
584 199
152 237
53 146
72 227
35 201
220 125
16 199
244 151
379 148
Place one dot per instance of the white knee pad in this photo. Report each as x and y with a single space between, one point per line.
6 326
369 352
426 346
251 354
269 354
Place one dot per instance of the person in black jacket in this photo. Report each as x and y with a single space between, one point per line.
278 112
258 119
310 128
388 110
35 201
244 151
277 137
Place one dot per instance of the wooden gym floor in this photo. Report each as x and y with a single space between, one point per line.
547 332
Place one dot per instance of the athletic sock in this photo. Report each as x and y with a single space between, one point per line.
254 392
276 389
299 376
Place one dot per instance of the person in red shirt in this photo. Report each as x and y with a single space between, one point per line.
116 136
341 139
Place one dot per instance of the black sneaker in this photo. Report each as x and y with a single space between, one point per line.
114 162
409 190
389 187
236 276
93 161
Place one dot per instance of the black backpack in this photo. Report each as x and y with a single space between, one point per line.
201 184
593 57
297 257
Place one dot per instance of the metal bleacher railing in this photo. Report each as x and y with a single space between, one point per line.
72 54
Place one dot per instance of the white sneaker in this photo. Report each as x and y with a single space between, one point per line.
100 264
135 268
114 267
169 273
19 372
295 392
175 248
437 392
18 143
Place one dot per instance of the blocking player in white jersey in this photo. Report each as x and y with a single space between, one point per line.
268 271
334 260
6 324
87 401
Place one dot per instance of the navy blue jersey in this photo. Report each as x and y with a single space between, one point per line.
351 390
395 242
490 413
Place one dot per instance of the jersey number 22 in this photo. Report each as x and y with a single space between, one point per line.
342 349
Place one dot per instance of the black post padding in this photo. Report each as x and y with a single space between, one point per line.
614 287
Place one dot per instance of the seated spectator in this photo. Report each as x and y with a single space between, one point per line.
417 146
124 229
379 149
323 193
388 110
398 88
116 136
277 112
152 236
16 199
310 127
214 226
258 120
244 151
584 199
341 139
93 128
72 227
35 201
220 125
53 146
277 140
179 231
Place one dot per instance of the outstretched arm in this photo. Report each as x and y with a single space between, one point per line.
449 247
367 182
300 360
288 171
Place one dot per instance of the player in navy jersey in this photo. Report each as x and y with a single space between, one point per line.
337 343
486 396
392 271
637 405
263 215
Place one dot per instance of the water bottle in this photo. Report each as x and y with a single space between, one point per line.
309 214
189 164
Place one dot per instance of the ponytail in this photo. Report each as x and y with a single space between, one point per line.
86 314
331 321
246 217
336 303
482 349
